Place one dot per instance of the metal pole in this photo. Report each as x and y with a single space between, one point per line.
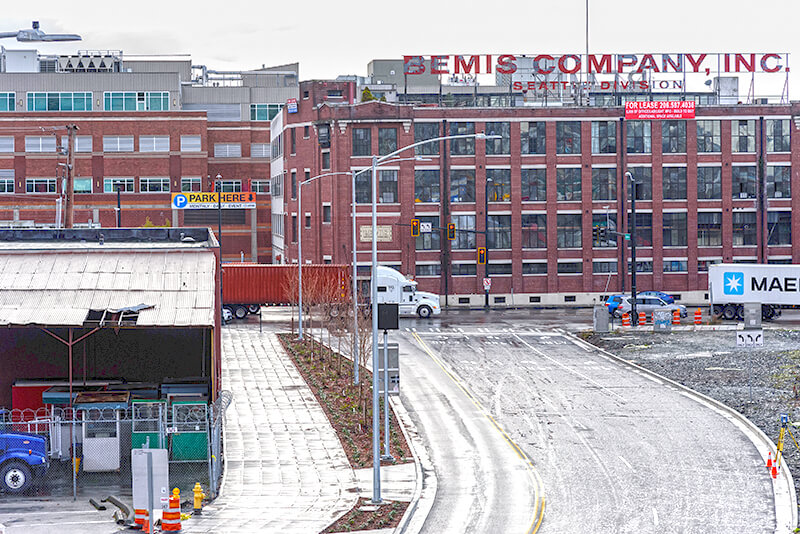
634 318
150 498
355 291
300 260
486 240
376 445
386 454
119 207
219 228
70 192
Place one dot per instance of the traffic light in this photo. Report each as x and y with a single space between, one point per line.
481 255
451 231
414 227
595 234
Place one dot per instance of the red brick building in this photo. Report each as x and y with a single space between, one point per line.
721 187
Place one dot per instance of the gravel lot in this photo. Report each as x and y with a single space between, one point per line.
710 362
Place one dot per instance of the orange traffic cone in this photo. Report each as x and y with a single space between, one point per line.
769 461
774 471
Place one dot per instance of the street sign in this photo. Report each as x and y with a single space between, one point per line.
487 284
659 110
199 200
627 237
425 227
291 105
750 338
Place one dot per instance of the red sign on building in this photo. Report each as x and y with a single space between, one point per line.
659 110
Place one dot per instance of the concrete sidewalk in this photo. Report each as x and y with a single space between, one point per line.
285 470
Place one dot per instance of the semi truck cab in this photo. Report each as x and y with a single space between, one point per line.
23 457
393 287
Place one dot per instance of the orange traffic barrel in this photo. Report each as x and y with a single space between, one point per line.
676 317
642 318
171 520
626 319
698 316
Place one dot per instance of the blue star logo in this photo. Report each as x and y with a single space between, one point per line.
733 284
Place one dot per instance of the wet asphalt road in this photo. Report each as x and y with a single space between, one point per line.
617 451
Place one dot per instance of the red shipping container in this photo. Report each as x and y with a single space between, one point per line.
249 283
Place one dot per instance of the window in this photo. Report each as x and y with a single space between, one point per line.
59 102
673 183
709 183
387 186
423 131
326 159
136 101
117 143
259 150
568 183
675 266
498 234
362 142
259 186
387 141
227 150
530 267
608 221
604 267
568 137
673 137
45 143
190 143
604 137
532 137
429 240
570 267
462 185
111 185
326 213
306 134
276 187
464 269
779 181
702 265
568 230
778 135
426 186
674 229
428 269
644 229
744 228
305 95
276 147
154 185
8 102
498 146
604 184
462 147
83 143
464 240
779 227
192 183
638 135
498 185
264 112
6 180
534 231
643 177
294 229
228 186
743 182
498 269
643 266
708 136
293 137
743 136
6 144
534 185
40 185
153 143
293 183
363 188
709 229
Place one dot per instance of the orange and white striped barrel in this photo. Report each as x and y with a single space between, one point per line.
698 316
642 318
626 319
171 518
138 516
676 317
146 523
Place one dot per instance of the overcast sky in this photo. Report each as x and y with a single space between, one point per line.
332 38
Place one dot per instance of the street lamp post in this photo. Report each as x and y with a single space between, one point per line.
355 286
486 240
629 177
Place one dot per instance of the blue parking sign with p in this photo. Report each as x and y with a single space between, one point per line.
179 201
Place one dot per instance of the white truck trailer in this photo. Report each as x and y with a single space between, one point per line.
730 285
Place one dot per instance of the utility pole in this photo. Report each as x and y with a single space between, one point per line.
70 192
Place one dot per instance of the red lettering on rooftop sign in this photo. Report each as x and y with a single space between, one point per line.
659 110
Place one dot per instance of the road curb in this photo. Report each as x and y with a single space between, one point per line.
783 487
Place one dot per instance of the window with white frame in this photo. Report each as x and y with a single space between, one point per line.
465 232
136 101
534 267
259 150
463 269
121 184
743 136
673 137
259 186
82 185
778 135
40 185
40 143
604 137
8 102
6 180
264 112
83 143
117 143
191 183
534 185
60 101
229 186
154 184
190 143
779 181
227 150
153 143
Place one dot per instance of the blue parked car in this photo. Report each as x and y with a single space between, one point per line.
613 302
23 456
666 297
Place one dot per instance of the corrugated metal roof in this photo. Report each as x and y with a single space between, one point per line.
59 288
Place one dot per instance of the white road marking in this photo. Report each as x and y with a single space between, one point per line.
628 464
655 517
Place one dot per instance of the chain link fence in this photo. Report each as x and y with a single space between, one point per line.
87 452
